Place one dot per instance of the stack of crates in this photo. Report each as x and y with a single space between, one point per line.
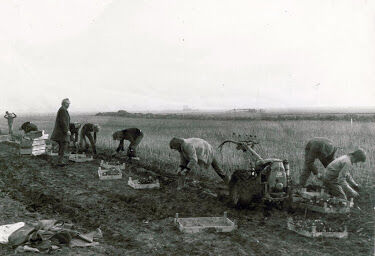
33 143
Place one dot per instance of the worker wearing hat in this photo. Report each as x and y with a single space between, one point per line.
85 132
61 133
338 179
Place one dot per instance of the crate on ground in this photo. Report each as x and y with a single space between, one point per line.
108 165
80 158
4 138
32 146
137 185
113 173
312 231
325 206
198 224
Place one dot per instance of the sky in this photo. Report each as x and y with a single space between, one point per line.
144 55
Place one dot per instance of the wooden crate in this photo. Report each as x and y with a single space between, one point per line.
4 138
107 165
31 151
102 174
80 158
136 185
198 224
327 209
313 233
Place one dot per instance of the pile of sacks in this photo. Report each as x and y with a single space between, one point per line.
34 143
45 236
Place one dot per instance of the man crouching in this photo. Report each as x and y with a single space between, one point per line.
193 152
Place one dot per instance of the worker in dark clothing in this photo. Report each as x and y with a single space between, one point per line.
61 133
86 131
316 148
29 127
74 129
134 136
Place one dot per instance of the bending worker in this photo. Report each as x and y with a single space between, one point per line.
86 131
10 117
29 127
134 136
337 179
194 152
74 128
316 148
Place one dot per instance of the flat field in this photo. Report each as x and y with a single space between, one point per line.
141 223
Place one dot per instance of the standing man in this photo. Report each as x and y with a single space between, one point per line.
316 148
194 152
61 133
86 131
337 179
10 117
134 136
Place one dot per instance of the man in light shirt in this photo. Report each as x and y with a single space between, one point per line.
193 152
338 180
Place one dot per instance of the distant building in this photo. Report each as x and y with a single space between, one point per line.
186 108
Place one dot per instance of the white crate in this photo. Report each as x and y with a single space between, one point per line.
107 165
313 233
30 151
136 185
198 224
4 138
80 158
102 174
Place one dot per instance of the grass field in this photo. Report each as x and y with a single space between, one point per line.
279 139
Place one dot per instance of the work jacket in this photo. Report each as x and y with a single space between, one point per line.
196 151
60 131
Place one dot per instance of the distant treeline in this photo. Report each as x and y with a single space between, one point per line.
368 117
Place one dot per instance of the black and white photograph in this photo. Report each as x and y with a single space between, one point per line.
186 127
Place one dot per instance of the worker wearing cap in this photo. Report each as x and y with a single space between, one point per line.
28 127
338 180
195 152
134 136
61 133
316 148
10 117
86 131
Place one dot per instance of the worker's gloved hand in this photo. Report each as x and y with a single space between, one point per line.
69 133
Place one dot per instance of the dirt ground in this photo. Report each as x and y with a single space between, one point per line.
141 222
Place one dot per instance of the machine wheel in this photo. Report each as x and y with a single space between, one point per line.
244 188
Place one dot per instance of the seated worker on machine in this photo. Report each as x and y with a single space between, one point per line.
86 131
74 129
134 136
338 180
29 127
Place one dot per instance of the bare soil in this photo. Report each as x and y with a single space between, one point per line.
138 222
